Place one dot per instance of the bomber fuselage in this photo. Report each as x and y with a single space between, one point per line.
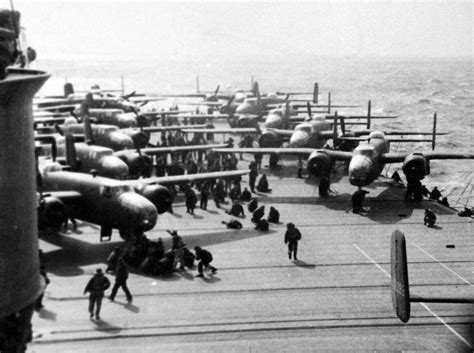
365 165
107 202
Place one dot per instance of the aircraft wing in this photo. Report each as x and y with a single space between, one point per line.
181 95
158 150
349 117
336 155
165 112
171 128
175 179
212 104
139 100
298 105
247 130
393 157
53 120
282 132
65 196
390 139
60 108
205 116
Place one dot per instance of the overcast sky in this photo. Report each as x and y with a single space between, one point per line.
201 28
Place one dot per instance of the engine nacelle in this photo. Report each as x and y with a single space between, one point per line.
319 164
52 213
416 166
345 145
270 138
159 195
140 138
137 165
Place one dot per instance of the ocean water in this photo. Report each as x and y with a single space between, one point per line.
412 88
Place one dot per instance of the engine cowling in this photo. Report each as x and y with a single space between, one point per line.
137 165
416 166
319 164
270 138
159 195
52 213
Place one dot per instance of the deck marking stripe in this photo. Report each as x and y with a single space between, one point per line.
422 304
446 267
375 263
449 327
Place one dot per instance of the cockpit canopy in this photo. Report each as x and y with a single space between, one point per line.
377 135
364 150
305 127
319 117
107 128
114 190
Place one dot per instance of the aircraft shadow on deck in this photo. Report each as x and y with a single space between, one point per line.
74 253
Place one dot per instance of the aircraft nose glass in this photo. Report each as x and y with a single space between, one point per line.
299 139
272 121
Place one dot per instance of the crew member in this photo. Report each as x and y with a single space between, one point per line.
205 191
205 258
237 210
233 224
253 175
263 184
292 236
258 214
253 205
246 196
112 260
430 218
39 300
357 200
262 225
177 247
435 194
96 287
444 201
191 199
121 276
273 215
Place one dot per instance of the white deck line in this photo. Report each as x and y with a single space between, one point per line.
446 267
422 304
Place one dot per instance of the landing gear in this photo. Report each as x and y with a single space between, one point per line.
324 187
105 234
130 234
414 189
273 160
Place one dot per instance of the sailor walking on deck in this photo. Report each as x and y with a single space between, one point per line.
292 236
96 287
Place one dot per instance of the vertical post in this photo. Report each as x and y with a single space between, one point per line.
329 102
20 281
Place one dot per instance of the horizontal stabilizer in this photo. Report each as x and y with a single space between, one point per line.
56 108
223 131
399 272
157 150
165 112
363 116
171 128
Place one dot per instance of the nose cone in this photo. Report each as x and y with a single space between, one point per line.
126 120
245 108
299 139
359 171
113 167
270 139
120 141
140 139
274 120
141 214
